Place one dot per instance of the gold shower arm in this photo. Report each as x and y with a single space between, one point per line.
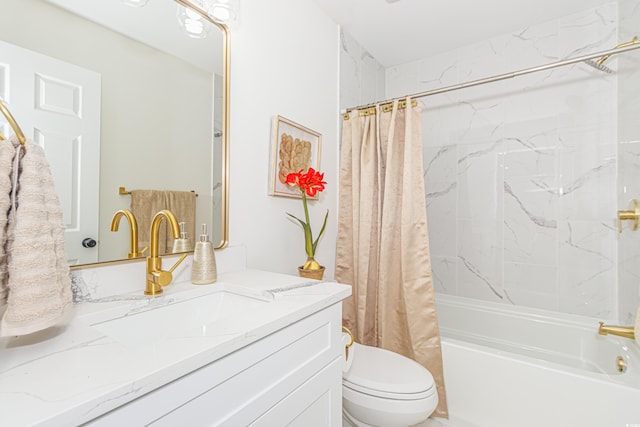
625 44
5 112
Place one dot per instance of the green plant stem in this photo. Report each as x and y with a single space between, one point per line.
308 237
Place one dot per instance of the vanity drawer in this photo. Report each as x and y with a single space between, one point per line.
317 402
240 387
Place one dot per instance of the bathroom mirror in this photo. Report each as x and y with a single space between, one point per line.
152 102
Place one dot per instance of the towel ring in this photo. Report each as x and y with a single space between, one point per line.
19 134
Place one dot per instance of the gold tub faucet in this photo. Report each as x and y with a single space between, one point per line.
133 234
156 276
621 331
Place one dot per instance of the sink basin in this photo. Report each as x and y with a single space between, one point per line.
208 315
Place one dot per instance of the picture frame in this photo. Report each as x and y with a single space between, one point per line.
294 147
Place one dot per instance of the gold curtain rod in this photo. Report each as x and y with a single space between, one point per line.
5 112
123 192
604 55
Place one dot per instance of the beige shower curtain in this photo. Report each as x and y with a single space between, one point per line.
382 246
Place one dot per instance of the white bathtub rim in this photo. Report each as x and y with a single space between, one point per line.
557 353
506 347
602 378
492 390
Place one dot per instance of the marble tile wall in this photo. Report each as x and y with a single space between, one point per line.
361 76
628 71
522 175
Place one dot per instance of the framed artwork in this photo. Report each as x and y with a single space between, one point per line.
293 148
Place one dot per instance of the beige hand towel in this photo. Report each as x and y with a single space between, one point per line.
7 153
146 203
39 286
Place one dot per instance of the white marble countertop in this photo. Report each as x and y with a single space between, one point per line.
71 374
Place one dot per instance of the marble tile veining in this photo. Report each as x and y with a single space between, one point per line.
526 174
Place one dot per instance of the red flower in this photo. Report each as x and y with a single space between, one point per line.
310 182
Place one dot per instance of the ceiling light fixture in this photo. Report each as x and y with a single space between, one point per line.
192 23
223 11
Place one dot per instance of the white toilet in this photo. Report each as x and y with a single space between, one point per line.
386 389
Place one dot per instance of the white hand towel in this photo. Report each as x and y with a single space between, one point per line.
39 286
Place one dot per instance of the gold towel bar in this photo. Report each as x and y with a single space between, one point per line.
123 191
5 112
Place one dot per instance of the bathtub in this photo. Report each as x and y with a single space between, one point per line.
520 367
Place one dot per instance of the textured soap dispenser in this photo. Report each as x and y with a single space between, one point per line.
203 269
182 243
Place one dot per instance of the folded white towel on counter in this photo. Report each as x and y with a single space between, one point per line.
38 286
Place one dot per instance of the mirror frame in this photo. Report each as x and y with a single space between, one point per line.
226 74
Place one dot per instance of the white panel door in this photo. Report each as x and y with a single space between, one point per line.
57 104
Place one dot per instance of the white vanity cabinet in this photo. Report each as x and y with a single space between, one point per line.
292 376
255 348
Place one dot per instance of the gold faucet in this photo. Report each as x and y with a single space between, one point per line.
156 276
133 227
621 331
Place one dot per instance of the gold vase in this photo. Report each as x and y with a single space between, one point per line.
311 273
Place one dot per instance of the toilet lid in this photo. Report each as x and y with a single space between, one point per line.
384 373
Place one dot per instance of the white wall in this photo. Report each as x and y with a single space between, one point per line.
284 61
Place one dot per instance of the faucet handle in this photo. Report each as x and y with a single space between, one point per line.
164 278
184 255
137 254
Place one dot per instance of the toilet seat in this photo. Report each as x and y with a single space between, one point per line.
382 373
386 395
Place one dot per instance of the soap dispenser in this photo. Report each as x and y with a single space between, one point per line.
182 243
203 269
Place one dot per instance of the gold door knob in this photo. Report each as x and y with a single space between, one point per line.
633 214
